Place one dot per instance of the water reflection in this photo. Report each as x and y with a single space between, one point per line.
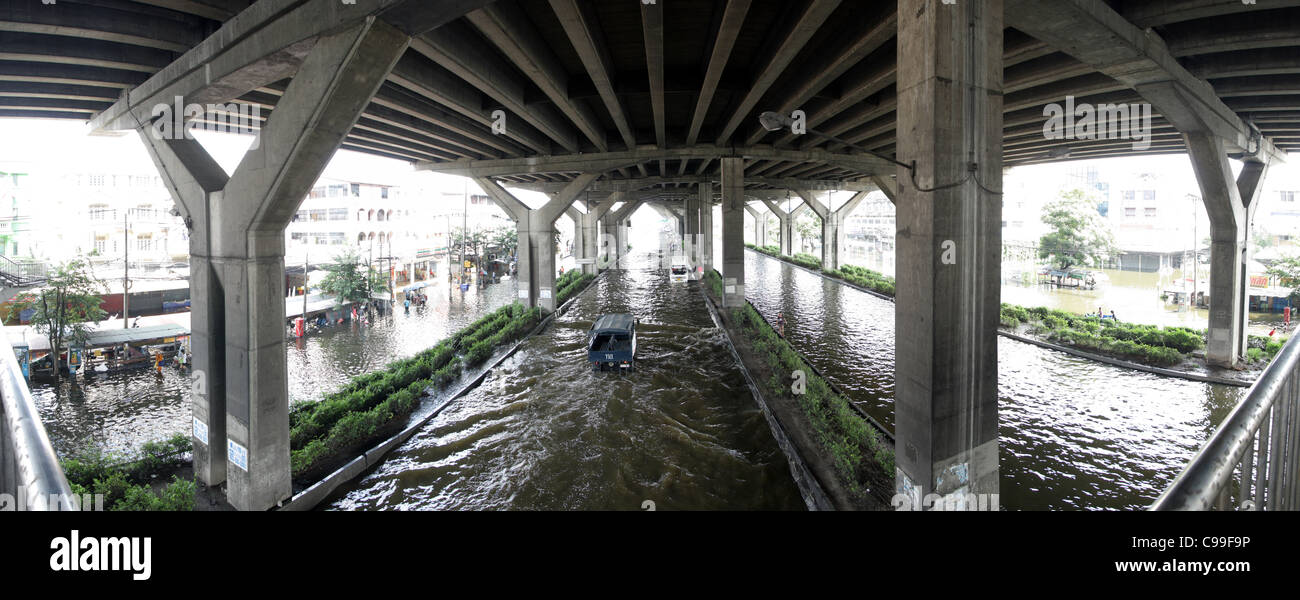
1075 434
545 432
119 412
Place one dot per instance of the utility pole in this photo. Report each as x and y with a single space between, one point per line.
126 270
464 224
305 262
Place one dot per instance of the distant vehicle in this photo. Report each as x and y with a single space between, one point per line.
680 271
611 343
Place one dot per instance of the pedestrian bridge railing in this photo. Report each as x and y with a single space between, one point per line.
31 477
1252 461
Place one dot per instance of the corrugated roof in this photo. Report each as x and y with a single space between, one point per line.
134 334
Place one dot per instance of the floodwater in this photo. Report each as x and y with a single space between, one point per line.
544 432
1075 434
120 412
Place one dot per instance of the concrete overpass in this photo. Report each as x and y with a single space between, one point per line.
621 100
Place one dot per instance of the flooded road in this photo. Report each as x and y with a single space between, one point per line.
545 432
120 412
1075 434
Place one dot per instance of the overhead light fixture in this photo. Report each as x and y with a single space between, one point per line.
773 121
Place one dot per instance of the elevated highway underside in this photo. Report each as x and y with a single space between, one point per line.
608 104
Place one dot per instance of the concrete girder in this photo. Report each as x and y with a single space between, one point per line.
1153 13
840 61
1240 32
32 47
507 28
496 79
635 184
47 72
1096 35
807 25
409 98
1268 61
584 33
427 80
88 22
264 43
732 20
652 31
216 10
603 162
237 253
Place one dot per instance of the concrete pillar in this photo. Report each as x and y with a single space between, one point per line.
733 231
1230 204
575 215
536 229
706 226
760 225
949 246
589 232
691 241
833 232
237 245
785 227
614 233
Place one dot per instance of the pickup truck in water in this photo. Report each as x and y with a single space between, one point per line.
611 343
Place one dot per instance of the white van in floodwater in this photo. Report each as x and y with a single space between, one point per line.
680 271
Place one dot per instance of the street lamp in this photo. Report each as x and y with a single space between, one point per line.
774 121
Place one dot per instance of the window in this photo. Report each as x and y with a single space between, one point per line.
356 190
1129 195
1150 211
144 242
1130 211
97 180
383 193
1149 195
338 214
1288 196
101 244
101 212
316 214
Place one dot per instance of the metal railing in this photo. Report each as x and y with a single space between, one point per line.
22 274
31 477
1252 462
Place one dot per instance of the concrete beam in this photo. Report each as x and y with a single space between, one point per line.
1153 13
495 78
641 183
732 21
1096 35
838 62
602 162
509 29
652 31
733 232
809 22
584 33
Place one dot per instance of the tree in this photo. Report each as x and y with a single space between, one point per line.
1078 236
475 241
1287 270
348 280
505 237
809 227
65 306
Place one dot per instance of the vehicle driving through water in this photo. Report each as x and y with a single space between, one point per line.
611 343
680 271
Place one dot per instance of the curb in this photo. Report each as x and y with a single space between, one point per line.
313 495
814 495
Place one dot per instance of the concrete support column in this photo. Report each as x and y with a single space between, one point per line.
241 406
691 241
733 231
785 227
575 215
706 226
589 231
760 225
1230 204
536 229
610 254
949 246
